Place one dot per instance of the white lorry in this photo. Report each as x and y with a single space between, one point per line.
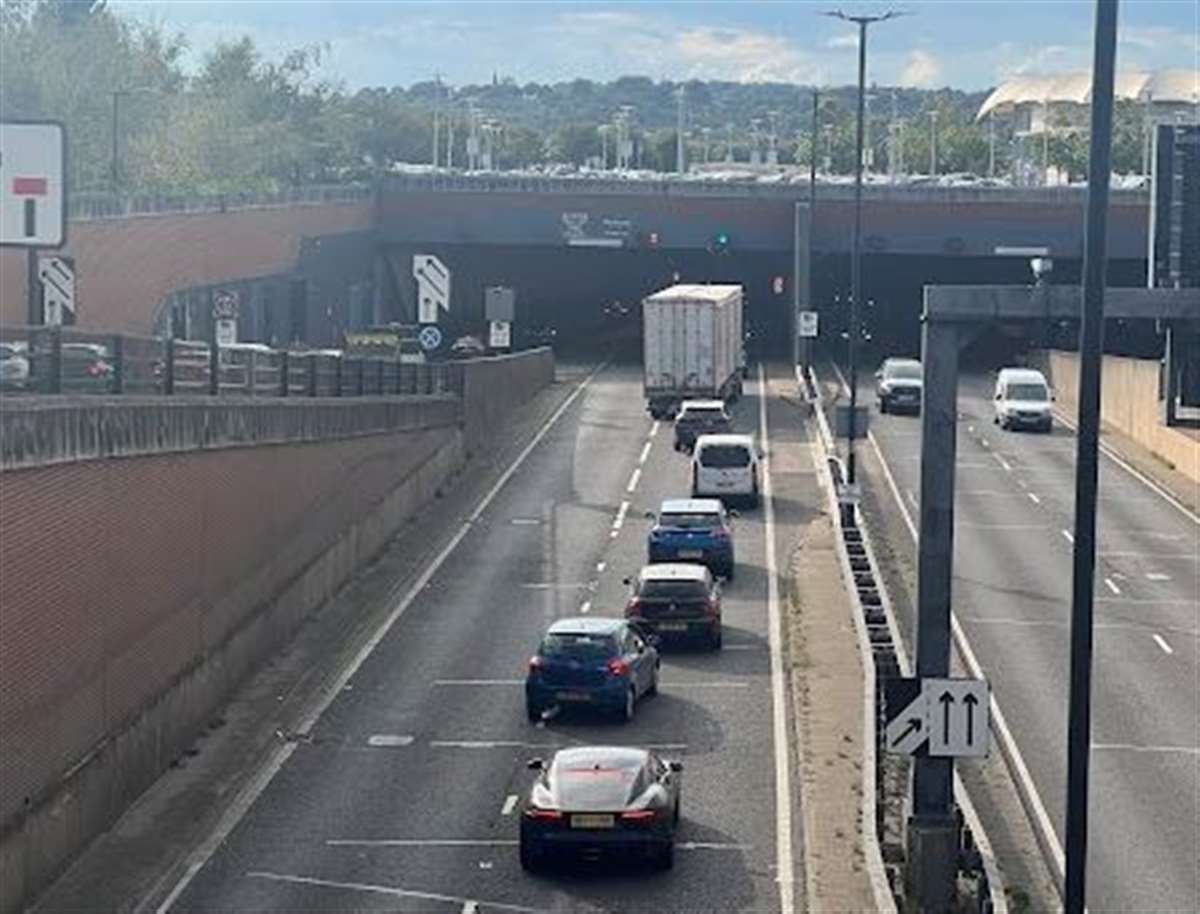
693 346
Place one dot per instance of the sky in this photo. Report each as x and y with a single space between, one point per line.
966 44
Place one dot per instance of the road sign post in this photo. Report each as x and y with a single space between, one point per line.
433 287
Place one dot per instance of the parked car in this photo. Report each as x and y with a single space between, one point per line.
467 347
591 662
1022 400
14 366
693 530
601 800
86 365
700 417
726 467
674 599
898 384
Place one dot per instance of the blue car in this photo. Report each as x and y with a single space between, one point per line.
596 663
693 530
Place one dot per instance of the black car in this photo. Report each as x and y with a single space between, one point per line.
598 801
700 417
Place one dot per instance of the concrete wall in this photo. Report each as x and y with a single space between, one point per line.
154 553
126 266
1130 403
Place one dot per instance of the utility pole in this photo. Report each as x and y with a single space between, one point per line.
729 144
862 22
933 117
1091 345
992 144
679 162
437 102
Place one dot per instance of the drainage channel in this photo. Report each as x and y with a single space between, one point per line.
884 657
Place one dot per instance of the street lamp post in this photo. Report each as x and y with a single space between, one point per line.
933 116
856 247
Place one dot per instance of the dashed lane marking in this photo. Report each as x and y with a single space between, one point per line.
1161 642
645 452
586 607
510 803
388 740
1033 498
633 479
1069 536
654 428
393 891
1112 585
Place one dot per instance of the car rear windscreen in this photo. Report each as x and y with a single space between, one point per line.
703 415
908 372
690 521
725 456
579 646
672 590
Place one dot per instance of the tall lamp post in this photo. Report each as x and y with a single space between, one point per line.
856 248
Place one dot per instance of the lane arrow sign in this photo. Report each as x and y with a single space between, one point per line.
946 700
970 701
914 726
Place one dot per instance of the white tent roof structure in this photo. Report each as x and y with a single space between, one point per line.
1171 86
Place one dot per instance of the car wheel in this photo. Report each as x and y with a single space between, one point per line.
630 705
728 571
715 638
533 712
652 689
883 405
666 856
531 860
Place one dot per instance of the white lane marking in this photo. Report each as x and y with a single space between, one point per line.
517 744
619 520
1033 498
506 842
633 479
1004 463
258 783
742 647
1021 482
393 891
585 608
712 846
1129 747
654 429
388 740
1112 585
1157 576
600 566
1133 554
984 442
645 452
1138 475
510 803
785 868
912 499
1045 828
1069 535
470 907
668 684
973 526
1161 642
525 521
478 682
550 585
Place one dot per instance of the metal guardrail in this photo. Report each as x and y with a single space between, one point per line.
66 360
85 206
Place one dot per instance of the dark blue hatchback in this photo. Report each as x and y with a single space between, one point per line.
693 530
603 664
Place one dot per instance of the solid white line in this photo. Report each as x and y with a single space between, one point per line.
645 452
785 869
633 479
1128 747
478 682
1069 536
654 429
1157 576
1033 498
1133 554
1161 642
1137 474
388 740
393 891
510 803
668 684
470 907
1036 808
585 608
1112 585
258 783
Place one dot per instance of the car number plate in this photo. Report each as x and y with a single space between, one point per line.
672 626
573 696
691 553
592 820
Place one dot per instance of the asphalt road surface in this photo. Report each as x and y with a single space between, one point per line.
404 796
1012 592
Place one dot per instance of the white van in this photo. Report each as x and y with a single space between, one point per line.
725 467
1022 400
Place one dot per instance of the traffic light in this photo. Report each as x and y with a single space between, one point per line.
719 243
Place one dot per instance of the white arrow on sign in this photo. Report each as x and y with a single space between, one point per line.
908 730
959 716
433 287
58 287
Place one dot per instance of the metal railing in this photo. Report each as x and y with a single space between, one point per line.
85 205
66 360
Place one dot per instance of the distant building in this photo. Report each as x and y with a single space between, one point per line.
1041 106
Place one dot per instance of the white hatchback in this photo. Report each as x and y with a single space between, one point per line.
725 467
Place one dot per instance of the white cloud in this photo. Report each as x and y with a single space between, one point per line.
921 71
845 40
742 56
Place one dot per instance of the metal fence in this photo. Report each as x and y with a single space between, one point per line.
86 205
65 360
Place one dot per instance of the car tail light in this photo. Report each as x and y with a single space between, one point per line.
720 533
95 369
633 607
618 667
536 664
640 816
712 607
544 815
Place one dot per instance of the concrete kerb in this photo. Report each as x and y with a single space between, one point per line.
999 897
885 902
